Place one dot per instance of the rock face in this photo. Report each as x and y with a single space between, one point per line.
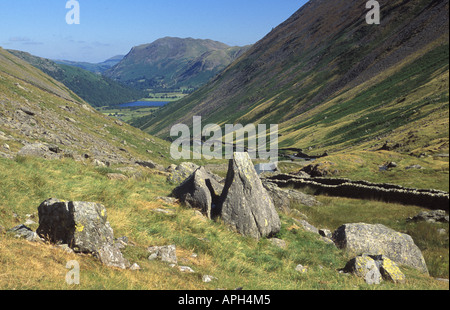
81 225
246 205
378 239
200 191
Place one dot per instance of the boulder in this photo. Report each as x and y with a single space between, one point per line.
83 226
182 172
200 191
150 164
38 150
389 269
364 267
284 198
164 253
25 232
374 268
378 239
246 205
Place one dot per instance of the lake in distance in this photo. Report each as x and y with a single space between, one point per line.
143 104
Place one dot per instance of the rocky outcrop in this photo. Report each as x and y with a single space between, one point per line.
339 187
83 226
378 239
200 191
246 205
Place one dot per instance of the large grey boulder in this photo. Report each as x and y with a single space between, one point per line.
39 150
246 205
182 172
83 226
200 191
378 239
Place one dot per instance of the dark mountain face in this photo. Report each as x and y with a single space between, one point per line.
169 62
325 66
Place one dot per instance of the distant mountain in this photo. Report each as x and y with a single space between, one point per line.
95 89
93 67
331 81
174 63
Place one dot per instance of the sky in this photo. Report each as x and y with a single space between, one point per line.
112 27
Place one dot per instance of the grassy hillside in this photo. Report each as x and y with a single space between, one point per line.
95 89
173 63
56 115
332 82
235 261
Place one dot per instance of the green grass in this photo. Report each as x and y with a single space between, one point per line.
235 260
364 165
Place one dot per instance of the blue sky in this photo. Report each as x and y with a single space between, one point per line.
112 27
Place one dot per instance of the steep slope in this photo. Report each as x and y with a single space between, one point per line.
97 90
173 63
332 81
36 108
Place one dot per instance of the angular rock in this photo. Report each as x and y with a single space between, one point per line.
389 269
246 206
283 198
23 231
200 191
182 172
164 253
81 225
208 278
378 239
38 150
150 164
364 267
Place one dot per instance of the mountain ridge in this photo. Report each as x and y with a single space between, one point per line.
321 55
168 62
